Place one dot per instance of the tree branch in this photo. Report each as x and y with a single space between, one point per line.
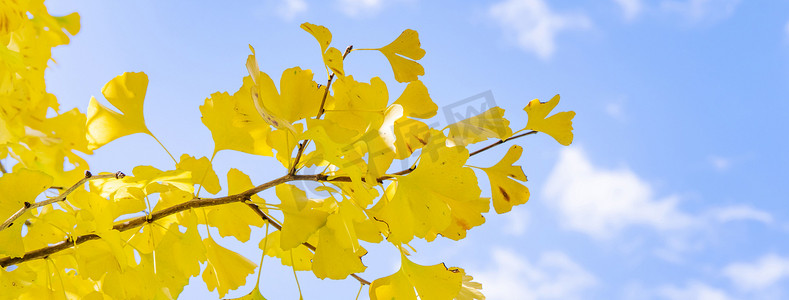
30 206
206 202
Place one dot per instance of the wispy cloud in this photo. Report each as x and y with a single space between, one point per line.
740 213
692 290
518 222
289 9
720 163
701 10
786 28
763 273
630 8
602 202
534 26
553 276
358 8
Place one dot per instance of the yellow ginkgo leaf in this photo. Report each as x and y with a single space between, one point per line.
357 106
178 257
264 94
202 172
333 59
226 270
411 135
406 45
489 124
434 282
506 191
416 101
338 252
303 216
321 33
127 93
234 219
253 295
234 123
19 187
559 126
299 257
430 199
470 290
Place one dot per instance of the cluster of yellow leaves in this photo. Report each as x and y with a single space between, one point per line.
27 133
357 135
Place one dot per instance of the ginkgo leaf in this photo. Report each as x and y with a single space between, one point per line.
262 85
234 219
356 108
226 270
178 257
202 172
411 135
332 58
18 188
49 227
559 126
321 33
434 282
416 101
299 97
338 253
406 45
506 191
253 295
127 93
234 123
489 124
299 257
284 141
469 290
432 197
303 216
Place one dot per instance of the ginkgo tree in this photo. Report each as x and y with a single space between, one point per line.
69 233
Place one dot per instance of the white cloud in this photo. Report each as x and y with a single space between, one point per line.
630 8
289 9
741 213
357 8
533 25
786 28
693 290
758 275
701 10
602 202
518 222
615 110
719 162
553 276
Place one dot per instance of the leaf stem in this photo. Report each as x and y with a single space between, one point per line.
165 148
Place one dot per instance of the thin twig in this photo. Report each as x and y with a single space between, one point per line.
30 206
303 144
501 142
2 168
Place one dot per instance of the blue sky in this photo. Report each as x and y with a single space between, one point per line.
674 187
